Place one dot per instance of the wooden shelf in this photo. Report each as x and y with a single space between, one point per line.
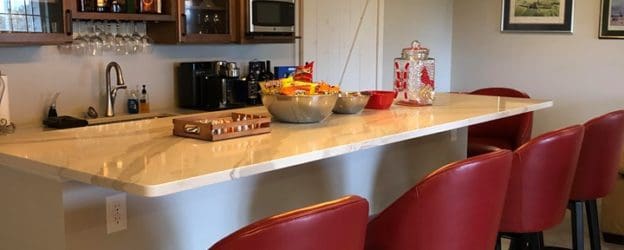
266 39
24 38
123 16
205 8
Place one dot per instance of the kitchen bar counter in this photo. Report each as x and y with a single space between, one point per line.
145 159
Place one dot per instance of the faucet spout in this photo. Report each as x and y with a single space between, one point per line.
111 92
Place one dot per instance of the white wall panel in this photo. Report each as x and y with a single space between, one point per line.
329 27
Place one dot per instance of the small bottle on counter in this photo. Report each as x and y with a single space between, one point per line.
101 6
144 106
133 102
116 6
148 6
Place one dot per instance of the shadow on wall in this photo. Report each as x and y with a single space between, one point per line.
405 164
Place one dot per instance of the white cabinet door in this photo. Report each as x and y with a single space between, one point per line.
329 27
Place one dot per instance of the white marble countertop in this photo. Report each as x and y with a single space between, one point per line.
144 158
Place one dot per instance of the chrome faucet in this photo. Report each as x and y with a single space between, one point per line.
111 93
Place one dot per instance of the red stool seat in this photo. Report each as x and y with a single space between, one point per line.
456 207
506 133
600 157
596 173
540 184
335 225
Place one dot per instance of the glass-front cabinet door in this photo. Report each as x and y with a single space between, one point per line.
208 21
34 21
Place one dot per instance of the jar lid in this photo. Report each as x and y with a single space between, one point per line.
415 52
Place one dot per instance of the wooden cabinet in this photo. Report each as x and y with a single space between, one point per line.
181 21
50 22
35 22
244 38
199 21
209 21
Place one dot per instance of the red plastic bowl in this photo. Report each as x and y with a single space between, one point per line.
380 99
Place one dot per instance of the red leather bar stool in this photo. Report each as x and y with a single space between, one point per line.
457 207
335 225
539 187
596 173
506 133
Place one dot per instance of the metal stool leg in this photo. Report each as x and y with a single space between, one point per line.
592 223
518 242
577 225
535 241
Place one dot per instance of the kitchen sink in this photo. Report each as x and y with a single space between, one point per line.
127 118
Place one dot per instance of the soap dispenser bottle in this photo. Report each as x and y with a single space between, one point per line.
144 101
133 102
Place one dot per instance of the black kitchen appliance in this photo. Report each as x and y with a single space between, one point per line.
270 17
213 85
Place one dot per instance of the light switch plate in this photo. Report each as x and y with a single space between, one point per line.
116 213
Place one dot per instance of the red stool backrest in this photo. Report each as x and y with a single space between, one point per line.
600 157
335 225
516 130
457 207
541 180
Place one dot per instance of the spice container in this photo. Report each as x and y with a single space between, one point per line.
414 74
215 127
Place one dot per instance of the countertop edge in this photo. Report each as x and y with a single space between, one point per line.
282 163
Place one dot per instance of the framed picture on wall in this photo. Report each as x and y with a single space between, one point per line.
538 15
612 19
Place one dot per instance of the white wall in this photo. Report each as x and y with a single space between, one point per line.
429 21
329 28
36 73
581 73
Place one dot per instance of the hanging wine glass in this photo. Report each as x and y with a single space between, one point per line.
146 41
136 39
95 41
120 43
108 37
80 42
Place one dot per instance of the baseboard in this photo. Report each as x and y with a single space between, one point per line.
613 238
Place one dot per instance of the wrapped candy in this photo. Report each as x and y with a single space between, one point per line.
305 73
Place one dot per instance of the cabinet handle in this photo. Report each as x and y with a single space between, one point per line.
183 31
68 23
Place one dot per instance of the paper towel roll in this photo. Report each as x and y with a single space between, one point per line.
4 106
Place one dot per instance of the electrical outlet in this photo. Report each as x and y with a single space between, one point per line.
454 135
116 213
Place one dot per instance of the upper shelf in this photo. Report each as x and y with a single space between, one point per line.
123 16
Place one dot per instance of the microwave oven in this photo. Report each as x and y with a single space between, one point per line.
266 17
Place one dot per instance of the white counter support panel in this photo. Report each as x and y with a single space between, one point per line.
187 194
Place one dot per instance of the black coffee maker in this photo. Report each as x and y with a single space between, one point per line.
213 85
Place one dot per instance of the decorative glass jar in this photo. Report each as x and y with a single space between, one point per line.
414 76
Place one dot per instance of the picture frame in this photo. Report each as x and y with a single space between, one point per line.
612 19
538 16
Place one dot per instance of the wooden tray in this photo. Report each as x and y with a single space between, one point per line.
218 127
